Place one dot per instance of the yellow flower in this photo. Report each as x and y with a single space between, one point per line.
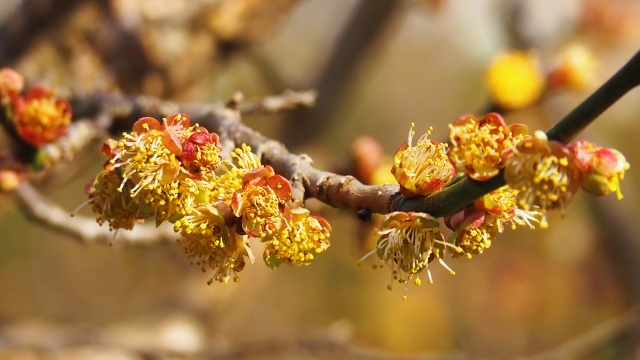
473 230
299 242
514 79
171 201
480 147
260 201
230 176
422 169
146 157
407 243
212 245
502 203
544 173
114 206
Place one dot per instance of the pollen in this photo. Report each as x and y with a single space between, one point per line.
246 159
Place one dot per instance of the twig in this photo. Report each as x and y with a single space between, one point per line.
85 229
586 344
79 134
274 104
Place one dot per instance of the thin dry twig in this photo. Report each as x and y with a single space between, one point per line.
585 344
289 100
85 229
79 135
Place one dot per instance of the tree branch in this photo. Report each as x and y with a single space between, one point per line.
345 191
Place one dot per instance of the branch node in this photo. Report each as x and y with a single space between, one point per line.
364 215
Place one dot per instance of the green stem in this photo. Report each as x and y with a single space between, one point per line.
457 196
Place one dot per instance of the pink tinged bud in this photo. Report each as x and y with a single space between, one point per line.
201 138
11 82
602 168
258 176
189 153
489 204
9 180
469 217
494 119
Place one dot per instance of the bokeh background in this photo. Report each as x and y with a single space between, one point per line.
378 65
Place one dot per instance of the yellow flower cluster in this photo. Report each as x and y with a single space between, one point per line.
172 171
540 174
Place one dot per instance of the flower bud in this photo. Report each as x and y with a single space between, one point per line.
602 168
9 180
11 82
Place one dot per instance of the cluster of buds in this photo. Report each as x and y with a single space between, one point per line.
540 174
34 117
173 171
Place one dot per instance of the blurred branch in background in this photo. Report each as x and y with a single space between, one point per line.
368 22
159 339
179 338
36 17
594 343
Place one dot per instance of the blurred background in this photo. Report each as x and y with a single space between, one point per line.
378 65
